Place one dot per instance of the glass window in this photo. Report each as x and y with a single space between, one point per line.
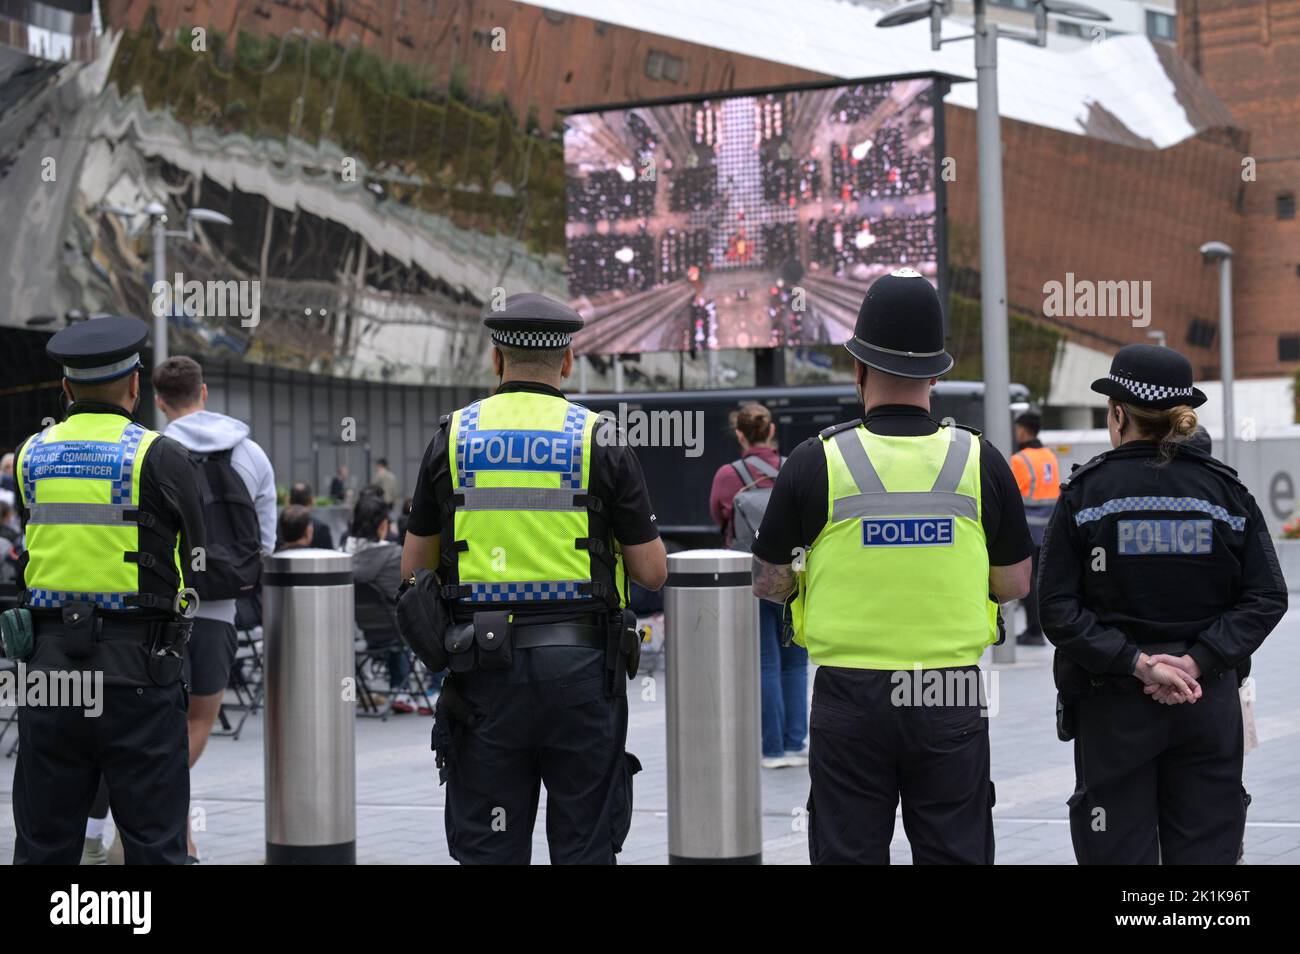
1160 26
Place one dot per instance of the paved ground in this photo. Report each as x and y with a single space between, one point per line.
399 804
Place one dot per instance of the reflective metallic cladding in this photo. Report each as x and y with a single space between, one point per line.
371 214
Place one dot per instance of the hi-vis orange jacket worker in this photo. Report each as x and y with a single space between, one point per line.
1038 475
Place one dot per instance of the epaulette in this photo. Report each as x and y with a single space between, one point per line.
965 427
1219 467
1078 470
442 421
826 433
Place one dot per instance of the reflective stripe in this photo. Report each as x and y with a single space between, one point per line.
83 514
1175 504
931 503
519 498
859 464
535 591
1033 478
54 599
954 464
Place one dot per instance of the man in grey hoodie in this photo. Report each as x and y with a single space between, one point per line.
182 396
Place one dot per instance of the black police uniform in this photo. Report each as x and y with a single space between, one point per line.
1176 559
139 743
866 751
551 718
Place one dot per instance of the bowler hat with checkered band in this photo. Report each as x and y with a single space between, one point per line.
1150 376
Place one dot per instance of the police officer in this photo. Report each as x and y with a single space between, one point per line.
1157 575
892 532
534 516
112 512
1038 475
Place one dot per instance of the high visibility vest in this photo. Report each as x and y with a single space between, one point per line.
899 575
80 483
1038 474
521 518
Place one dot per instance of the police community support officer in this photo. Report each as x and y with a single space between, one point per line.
111 507
903 527
1038 475
1157 574
523 511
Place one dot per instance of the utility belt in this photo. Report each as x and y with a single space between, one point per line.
79 638
463 640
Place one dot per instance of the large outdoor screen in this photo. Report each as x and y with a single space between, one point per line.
748 221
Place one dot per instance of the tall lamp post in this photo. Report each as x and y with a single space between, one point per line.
1220 252
157 213
993 263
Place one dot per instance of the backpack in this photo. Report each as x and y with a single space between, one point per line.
750 502
233 561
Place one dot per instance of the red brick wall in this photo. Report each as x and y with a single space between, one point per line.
1248 51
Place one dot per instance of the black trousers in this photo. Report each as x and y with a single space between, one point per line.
867 752
138 744
1159 783
546 721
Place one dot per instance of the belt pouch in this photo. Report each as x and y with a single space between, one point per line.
493 638
79 625
459 644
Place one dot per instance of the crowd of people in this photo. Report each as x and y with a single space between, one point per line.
601 263
889 169
836 244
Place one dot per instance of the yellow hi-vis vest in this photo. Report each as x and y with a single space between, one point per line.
80 483
898 578
521 468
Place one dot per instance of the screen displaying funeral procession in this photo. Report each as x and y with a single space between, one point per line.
748 221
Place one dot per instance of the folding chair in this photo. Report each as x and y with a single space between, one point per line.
246 676
376 618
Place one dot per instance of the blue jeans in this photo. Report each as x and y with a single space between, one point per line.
784 683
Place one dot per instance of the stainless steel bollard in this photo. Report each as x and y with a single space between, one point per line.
310 760
715 811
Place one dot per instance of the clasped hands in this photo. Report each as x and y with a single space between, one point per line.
1169 680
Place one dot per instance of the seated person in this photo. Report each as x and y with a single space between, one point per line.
377 560
295 528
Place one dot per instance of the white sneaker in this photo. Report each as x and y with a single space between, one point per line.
797 759
774 762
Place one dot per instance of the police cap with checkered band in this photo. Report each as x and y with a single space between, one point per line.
531 320
100 349
1150 376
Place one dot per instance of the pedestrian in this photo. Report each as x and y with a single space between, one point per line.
783 664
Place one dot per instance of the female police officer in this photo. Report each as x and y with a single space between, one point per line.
1157 574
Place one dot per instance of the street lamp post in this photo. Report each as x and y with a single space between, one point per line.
157 213
993 251
1222 253
996 338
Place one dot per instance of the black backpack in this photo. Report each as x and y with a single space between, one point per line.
234 536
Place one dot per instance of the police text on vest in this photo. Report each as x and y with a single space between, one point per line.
907 532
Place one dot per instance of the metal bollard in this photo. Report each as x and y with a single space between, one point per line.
715 811
310 761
